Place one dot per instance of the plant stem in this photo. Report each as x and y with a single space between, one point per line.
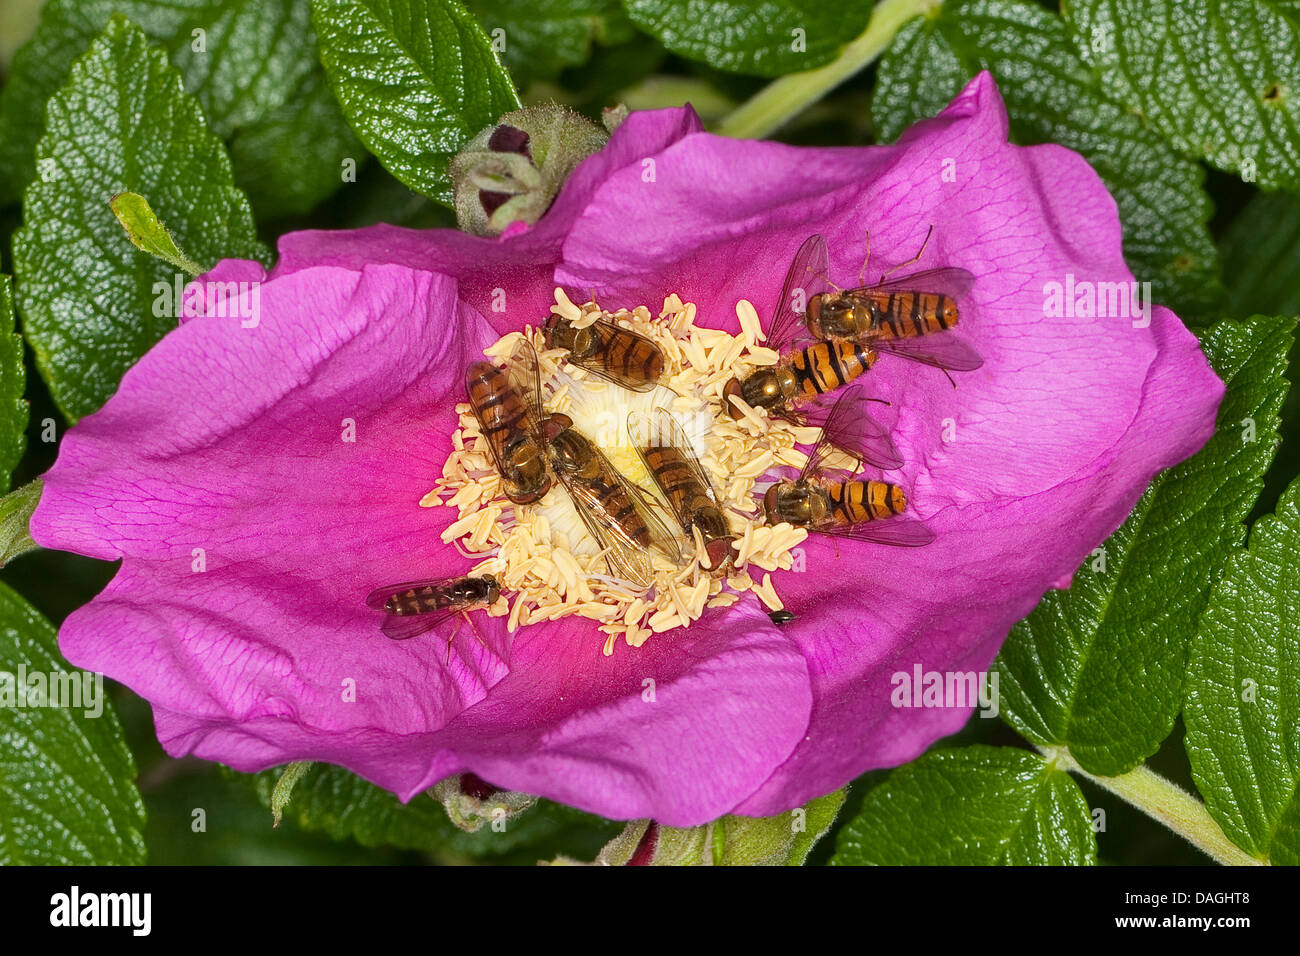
1167 802
774 105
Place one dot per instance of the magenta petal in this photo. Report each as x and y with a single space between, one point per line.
232 440
672 730
1021 470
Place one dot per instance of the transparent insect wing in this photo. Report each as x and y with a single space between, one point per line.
808 276
661 429
625 558
848 425
896 532
526 377
943 350
607 360
948 280
402 627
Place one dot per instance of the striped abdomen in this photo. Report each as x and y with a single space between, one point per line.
501 411
632 356
826 366
907 314
611 499
848 503
676 476
463 593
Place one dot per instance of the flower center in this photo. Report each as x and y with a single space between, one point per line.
543 553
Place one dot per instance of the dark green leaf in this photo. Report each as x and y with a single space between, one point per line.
296 156
973 806
67 790
1261 256
1218 78
1100 667
1052 97
759 37
121 124
13 382
41 66
343 805
1243 691
247 58
254 66
538 38
416 80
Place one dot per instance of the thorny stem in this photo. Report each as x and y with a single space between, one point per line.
774 105
1166 802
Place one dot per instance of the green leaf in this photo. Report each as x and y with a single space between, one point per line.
248 57
1243 691
759 37
257 75
973 806
343 805
13 382
15 519
781 840
88 298
1100 668
1052 97
41 66
1261 256
416 79
147 233
538 38
67 780
1218 79
294 157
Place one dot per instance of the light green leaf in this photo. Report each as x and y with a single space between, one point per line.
67 780
16 510
759 37
147 233
13 383
90 301
416 79
1243 691
1052 97
973 806
1218 78
1100 668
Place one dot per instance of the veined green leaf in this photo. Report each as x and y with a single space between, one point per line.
1243 691
971 806
1218 78
416 79
1100 668
13 382
1053 98
67 779
92 303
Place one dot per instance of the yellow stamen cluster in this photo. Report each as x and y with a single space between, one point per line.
541 553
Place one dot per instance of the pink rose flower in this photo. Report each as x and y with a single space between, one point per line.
224 449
